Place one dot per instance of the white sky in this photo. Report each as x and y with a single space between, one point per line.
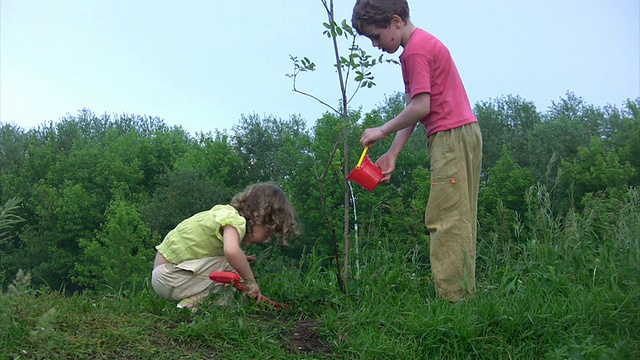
202 63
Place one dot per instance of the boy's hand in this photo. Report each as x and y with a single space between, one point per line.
371 135
251 258
386 163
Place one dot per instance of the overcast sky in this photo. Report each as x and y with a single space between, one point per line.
202 63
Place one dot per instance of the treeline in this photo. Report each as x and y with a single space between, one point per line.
97 193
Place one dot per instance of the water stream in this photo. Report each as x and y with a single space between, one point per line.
355 227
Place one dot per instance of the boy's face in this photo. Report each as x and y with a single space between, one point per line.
386 39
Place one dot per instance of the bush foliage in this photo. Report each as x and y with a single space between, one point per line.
98 192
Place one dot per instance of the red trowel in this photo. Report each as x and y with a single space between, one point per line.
227 277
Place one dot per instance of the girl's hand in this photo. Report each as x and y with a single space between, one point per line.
253 289
251 258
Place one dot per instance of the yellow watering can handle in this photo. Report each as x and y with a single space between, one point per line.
364 153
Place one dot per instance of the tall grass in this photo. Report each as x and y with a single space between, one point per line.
560 287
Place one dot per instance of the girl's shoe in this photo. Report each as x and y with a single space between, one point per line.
188 303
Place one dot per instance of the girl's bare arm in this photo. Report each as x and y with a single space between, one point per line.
238 259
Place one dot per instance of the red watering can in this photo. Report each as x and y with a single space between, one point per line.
366 173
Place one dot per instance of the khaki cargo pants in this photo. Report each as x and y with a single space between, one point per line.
452 209
190 280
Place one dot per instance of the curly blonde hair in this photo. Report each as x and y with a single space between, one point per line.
266 204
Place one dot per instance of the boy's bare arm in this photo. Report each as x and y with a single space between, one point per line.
417 109
403 135
387 162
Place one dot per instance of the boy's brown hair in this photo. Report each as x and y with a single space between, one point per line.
266 204
377 13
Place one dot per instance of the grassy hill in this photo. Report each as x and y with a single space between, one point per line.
570 290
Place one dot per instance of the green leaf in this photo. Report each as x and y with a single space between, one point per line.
347 28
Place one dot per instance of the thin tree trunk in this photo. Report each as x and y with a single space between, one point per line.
345 139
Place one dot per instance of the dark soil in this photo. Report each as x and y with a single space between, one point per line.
303 338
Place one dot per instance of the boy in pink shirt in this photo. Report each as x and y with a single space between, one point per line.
435 97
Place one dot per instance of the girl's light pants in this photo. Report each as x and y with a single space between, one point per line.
190 279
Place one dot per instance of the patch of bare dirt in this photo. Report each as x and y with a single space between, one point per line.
303 338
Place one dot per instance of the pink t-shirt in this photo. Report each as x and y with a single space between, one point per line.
427 67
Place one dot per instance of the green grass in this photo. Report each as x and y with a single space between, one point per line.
569 292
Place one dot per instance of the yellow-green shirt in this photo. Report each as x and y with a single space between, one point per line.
200 236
